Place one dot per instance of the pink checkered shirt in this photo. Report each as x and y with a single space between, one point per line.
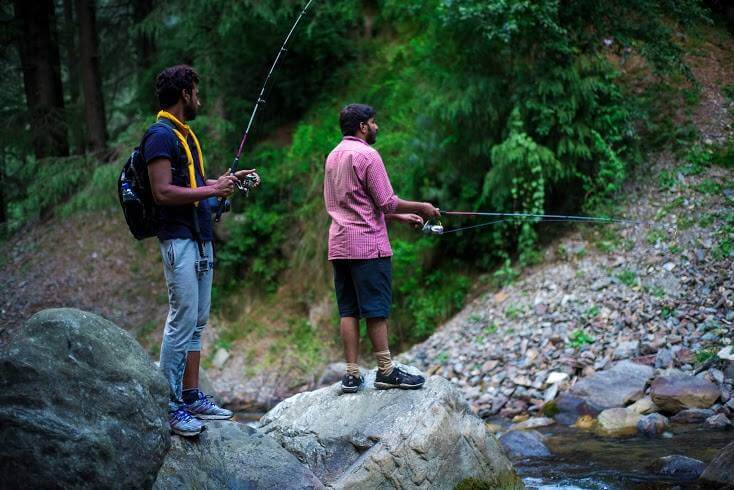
358 195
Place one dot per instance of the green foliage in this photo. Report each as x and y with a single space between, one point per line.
592 311
704 355
627 277
47 183
579 338
725 238
422 299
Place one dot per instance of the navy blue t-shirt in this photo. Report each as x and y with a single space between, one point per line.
177 221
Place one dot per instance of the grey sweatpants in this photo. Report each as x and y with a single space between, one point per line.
189 299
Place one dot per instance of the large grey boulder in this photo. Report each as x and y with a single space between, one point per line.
81 405
679 392
231 455
616 387
720 472
426 438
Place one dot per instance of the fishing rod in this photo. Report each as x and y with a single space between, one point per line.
431 228
249 182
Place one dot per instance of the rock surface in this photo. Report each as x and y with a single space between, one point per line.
618 421
232 455
615 387
652 425
720 472
525 444
681 467
393 438
81 405
678 392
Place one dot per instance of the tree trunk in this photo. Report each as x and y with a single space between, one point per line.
146 51
94 113
74 109
39 57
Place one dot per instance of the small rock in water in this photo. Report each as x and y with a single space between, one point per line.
692 416
719 421
533 423
585 422
678 466
525 443
652 425
618 421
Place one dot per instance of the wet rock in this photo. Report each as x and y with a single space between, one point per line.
652 425
719 421
720 472
231 455
533 423
525 444
571 407
81 405
585 422
677 466
375 438
692 416
617 422
643 406
678 392
614 387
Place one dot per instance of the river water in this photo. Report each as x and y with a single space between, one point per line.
583 460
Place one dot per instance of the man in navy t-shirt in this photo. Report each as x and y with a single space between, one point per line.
181 191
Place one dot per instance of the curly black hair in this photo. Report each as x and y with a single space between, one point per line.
352 115
172 81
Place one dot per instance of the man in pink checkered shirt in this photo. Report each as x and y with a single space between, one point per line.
360 199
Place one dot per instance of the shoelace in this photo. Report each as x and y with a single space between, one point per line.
181 416
204 399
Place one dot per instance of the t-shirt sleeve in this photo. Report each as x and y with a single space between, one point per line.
378 184
159 143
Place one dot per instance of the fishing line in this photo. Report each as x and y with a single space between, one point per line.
260 101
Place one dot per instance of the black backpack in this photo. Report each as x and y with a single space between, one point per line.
136 198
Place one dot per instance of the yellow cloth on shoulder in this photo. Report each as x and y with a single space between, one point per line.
181 131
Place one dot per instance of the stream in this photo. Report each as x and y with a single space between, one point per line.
583 460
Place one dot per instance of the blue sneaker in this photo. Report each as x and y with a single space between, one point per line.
183 424
205 409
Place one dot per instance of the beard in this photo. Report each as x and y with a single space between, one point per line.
371 136
189 112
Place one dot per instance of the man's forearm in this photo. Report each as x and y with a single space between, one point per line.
409 207
173 195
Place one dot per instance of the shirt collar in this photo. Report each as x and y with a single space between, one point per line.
354 138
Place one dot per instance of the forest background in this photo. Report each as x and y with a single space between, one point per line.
541 106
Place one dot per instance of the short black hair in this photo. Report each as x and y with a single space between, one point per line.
352 115
170 82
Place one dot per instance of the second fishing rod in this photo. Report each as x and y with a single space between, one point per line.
260 101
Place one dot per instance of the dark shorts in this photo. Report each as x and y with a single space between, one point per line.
363 287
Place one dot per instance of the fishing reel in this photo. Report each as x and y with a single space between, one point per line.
247 184
433 229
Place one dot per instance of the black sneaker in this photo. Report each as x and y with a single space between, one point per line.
398 379
351 383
